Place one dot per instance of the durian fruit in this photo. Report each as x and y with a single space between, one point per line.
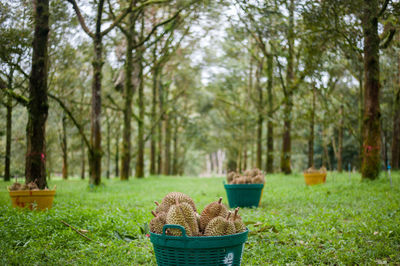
249 172
259 179
160 208
220 226
311 170
237 221
211 211
182 213
16 186
231 176
248 179
157 223
241 180
170 198
32 186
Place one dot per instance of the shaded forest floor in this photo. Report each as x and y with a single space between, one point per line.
341 222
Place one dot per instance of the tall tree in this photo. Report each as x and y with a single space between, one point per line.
311 137
396 119
97 35
371 127
35 168
270 126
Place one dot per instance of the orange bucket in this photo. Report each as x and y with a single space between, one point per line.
314 178
32 199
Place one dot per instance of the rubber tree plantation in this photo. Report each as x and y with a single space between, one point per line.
122 118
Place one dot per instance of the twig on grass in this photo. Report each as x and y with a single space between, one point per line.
76 230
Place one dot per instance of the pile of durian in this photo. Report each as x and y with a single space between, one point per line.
30 186
313 170
179 208
17 186
250 176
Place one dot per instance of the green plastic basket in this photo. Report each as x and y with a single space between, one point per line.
244 195
197 250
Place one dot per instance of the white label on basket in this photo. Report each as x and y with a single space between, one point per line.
229 259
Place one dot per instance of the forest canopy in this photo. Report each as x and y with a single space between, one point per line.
123 88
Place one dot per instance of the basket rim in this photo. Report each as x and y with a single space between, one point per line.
202 238
244 185
25 193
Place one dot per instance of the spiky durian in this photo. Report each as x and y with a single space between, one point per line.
231 176
182 213
211 211
15 186
157 223
220 226
249 172
169 200
237 221
160 208
259 179
32 186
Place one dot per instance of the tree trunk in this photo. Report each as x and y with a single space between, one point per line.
270 127
160 126
176 148
360 118
371 130
260 118
108 149
231 160
64 148
396 120
288 101
35 168
117 153
286 140
7 162
311 137
128 94
153 116
167 145
140 154
83 164
340 140
95 136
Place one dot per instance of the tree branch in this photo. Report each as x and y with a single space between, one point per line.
19 98
76 123
130 9
81 19
388 40
156 27
385 4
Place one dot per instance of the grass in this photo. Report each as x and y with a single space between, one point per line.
344 221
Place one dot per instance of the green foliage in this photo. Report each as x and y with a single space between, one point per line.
344 221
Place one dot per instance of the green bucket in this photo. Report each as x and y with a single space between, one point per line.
244 195
197 250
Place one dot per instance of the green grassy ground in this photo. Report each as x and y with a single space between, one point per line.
341 222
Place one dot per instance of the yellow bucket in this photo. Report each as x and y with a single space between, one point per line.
32 199
314 178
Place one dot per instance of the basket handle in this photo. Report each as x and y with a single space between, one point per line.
177 226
